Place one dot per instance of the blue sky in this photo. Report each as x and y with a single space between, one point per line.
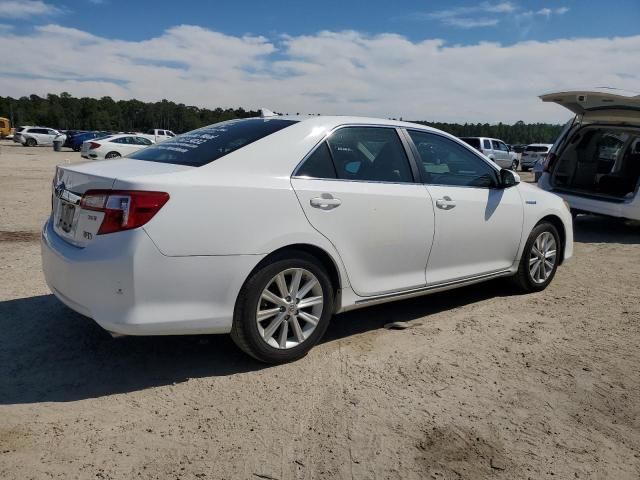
330 56
140 19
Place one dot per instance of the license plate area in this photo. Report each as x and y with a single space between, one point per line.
66 217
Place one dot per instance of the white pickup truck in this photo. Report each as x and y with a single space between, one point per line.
159 135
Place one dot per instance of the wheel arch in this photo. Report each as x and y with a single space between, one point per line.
557 222
325 259
320 254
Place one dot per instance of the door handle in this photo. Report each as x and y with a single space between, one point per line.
445 203
325 202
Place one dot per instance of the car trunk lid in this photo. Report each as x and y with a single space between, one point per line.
599 106
77 225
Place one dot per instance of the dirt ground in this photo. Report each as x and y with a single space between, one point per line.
484 384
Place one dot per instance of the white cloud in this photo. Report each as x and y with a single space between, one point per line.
485 14
470 16
26 8
328 72
547 12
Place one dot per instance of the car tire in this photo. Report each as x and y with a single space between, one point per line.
263 339
76 149
31 142
534 271
112 155
514 165
525 169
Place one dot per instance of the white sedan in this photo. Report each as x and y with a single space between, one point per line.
266 227
115 146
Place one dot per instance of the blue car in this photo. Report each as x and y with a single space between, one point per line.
75 141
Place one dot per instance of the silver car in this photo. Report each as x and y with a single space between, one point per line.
496 150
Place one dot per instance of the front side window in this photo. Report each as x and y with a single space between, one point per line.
445 162
369 154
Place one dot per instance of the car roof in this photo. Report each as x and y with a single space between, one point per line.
338 120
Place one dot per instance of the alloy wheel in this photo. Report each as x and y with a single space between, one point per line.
289 308
542 259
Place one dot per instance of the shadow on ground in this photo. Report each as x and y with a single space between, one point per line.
50 354
597 229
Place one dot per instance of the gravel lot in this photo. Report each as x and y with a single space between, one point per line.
484 383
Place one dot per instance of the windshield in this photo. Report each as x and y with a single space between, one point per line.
202 146
474 142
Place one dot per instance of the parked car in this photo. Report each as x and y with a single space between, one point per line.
595 162
496 150
266 227
114 146
159 135
75 141
532 153
32 136
17 135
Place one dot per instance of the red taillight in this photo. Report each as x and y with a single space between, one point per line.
548 162
93 145
123 209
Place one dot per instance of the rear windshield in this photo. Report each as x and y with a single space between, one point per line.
202 146
536 149
474 142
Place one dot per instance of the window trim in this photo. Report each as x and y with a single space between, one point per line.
405 145
495 168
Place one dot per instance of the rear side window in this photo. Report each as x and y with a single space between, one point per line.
202 146
369 154
487 144
319 164
445 162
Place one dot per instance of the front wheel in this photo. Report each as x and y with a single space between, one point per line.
283 309
540 259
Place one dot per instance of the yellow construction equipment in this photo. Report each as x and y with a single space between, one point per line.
5 128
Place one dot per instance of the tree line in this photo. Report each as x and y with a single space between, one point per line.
67 112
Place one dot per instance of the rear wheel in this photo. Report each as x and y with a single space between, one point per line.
540 259
514 165
31 142
283 309
525 169
112 155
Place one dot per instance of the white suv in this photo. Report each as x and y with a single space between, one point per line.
496 150
32 136
595 163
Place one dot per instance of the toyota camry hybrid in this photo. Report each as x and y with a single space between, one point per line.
266 227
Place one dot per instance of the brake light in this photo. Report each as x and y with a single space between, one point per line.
93 145
549 160
123 209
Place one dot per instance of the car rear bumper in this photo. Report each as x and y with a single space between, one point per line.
128 287
625 208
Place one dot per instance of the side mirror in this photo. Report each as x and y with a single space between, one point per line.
508 178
